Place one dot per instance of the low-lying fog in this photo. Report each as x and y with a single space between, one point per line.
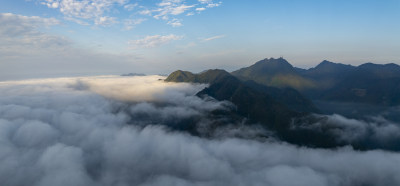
114 130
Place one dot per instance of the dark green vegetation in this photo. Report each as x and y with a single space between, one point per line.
278 96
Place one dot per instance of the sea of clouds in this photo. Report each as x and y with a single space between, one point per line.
111 130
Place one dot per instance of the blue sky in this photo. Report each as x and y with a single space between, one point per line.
85 37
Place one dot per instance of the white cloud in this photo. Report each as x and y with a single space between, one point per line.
213 38
169 2
372 133
102 12
105 21
175 23
154 41
212 5
145 12
200 9
169 8
180 9
205 1
86 9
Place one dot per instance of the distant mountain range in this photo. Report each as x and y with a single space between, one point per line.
368 83
277 95
133 74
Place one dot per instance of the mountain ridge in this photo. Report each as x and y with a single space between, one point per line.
367 83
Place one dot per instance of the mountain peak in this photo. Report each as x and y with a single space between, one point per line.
208 76
272 62
273 66
180 76
326 62
328 69
273 72
328 65
267 66
215 71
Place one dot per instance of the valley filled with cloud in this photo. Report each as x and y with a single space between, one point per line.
111 130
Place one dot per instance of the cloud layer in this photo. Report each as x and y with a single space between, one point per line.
86 131
371 132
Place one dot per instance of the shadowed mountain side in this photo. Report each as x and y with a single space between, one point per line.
270 106
267 106
259 104
288 96
327 69
325 75
255 105
368 83
261 108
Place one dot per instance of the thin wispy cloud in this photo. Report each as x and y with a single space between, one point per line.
24 34
129 24
212 5
154 41
175 23
213 38
131 7
16 25
78 21
27 42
